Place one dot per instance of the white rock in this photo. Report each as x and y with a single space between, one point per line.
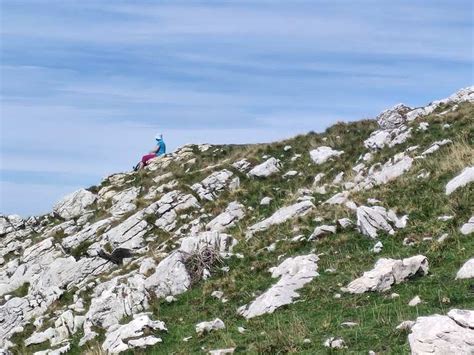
266 201
377 247
322 230
287 148
290 173
435 146
445 218
442 238
212 185
349 324
282 215
372 219
74 204
205 327
387 137
335 343
171 276
439 334
464 178
323 154
294 273
405 325
415 301
266 169
122 202
232 214
344 222
467 270
466 94
123 337
468 228
387 272
222 351
423 126
389 171
241 330
393 117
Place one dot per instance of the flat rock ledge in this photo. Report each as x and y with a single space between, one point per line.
388 272
294 273
438 334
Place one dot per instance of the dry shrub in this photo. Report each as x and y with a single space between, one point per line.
203 259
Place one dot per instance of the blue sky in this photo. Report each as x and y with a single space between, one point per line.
85 85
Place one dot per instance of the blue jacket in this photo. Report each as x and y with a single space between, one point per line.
161 147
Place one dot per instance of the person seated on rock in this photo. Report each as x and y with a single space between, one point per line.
159 150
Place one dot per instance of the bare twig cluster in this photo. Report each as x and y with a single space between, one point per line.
201 260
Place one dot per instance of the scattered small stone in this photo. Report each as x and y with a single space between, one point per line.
335 343
405 325
377 247
415 301
205 327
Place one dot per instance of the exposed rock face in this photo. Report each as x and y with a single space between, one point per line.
467 270
393 117
242 165
232 214
435 146
266 169
464 178
379 174
210 187
122 202
75 204
466 94
131 335
206 327
294 273
282 215
388 137
323 154
372 219
387 272
437 334
468 228
322 230
171 276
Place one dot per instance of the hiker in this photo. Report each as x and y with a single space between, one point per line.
159 150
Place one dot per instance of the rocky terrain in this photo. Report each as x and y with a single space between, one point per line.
359 240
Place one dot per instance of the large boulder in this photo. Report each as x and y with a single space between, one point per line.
393 117
74 204
437 334
210 187
294 273
267 168
323 154
372 219
387 272
467 270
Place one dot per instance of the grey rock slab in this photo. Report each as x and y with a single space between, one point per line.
269 167
294 273
387 272
372 219
465 177
282 215
234 212
131 335
438 334
322 154
74 204
466 271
